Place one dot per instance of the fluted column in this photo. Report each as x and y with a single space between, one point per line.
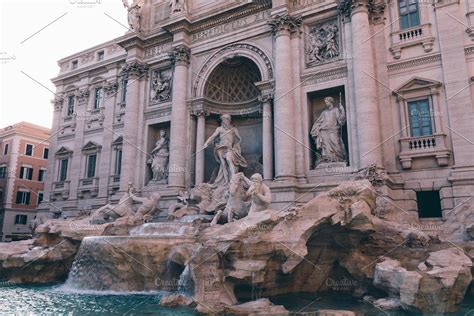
284 115
365 86
136 72
200 139
179 118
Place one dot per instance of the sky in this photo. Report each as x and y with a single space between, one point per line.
34 35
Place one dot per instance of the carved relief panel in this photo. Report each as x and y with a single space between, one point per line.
161 85
323 43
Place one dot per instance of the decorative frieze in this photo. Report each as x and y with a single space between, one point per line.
414 62
135 69
322 43
161 86
322 76
162 49
111 88
82 96
284 23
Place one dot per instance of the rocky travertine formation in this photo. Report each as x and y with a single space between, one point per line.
335 237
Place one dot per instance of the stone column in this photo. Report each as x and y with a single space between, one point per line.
50 175
179 118
365 85
135 71
284 115
200 139
106 156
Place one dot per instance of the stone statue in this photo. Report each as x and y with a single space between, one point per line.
145 210
323 43
159 158
259 193
227 150
110 212
326 133
178 6
161 88
134 15
237 206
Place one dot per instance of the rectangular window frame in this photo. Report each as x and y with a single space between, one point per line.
5 149
23 197
431 116
91 169
3 171
30 152
63 169
45 153
21 219
70 105
118 162
411 18
98 96
26 172
41 174
100 55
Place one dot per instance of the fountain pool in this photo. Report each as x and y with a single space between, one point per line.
54 300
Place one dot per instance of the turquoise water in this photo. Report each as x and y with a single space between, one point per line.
51 300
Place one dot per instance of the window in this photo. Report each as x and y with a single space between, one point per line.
118 162
420 118
91 161
3 172
1 196
23 197
429 204
97 98
29 150
74 64
63 169
41 174
45 153
70 105
26 173
100 55
409 15
40 197
123 97
21 219
5 150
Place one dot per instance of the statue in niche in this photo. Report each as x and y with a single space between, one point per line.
159 158
161 88
322 43
226 150
326 132
134 15
178 6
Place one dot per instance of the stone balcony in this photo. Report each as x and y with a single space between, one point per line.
90 185
114 184
419 35
60 189
424 146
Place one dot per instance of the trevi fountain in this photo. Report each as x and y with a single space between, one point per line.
237 240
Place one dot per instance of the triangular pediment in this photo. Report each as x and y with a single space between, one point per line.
91 146
63 151
417 83
118 141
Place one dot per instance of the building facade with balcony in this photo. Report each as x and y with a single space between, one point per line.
23 160
402 72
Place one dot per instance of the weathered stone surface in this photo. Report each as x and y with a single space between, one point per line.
176 300
388 304
334 312
262 306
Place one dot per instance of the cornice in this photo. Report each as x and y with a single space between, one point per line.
414 62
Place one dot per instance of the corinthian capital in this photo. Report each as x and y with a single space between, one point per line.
180 54
284 22
374 8
135 69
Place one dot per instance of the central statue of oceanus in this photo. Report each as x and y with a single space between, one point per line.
227 150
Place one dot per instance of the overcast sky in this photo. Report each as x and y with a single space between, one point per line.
34 35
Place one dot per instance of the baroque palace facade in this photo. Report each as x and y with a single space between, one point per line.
398 76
